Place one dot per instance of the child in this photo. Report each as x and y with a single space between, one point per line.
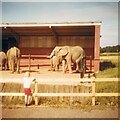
27 82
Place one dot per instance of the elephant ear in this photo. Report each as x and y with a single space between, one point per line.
63 52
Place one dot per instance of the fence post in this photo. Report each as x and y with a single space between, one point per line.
71 91
29 62
93 92
36 91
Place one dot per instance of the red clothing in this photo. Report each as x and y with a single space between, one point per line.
27 91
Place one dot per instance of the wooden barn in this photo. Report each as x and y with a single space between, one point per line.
41 38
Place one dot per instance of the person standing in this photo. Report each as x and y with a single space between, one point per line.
27 80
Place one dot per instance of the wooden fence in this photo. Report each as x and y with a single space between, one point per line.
29 58
90 81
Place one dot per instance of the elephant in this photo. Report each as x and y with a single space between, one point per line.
13 58
70 54
55 60
3 60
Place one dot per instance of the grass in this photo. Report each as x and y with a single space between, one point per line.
109 66
108 73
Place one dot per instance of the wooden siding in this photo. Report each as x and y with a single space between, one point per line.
36 51
83 41
33 41
50 41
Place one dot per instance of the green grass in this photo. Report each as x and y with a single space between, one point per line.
107 87
109 71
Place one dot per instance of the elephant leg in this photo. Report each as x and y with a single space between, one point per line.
18 66
12 67
84 64
77 67
69 67
6 65
52 68
9 65
63 66
1 66
56 67
66 67
51 64
78 64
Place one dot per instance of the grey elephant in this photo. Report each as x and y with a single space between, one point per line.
55 60
13 57
3 61
71 54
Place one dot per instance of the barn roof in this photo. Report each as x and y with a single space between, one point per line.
35 24
50 29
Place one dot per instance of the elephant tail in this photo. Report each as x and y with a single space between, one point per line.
80 58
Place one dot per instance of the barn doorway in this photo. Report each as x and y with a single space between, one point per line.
9 42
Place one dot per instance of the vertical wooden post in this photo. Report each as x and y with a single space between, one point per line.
61 89
38 66
93 93
71 91
97 48
36 90
90 63
29 62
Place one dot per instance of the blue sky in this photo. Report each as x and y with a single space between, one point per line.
107 12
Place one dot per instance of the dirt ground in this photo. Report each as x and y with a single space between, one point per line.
44 76
44 112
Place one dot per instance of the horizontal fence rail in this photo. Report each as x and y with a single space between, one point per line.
62 94
93 94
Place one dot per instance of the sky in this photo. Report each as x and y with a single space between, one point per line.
107 12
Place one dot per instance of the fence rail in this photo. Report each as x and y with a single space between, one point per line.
93 94
62 94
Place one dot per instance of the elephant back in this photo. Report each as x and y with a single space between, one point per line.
55 51
14 52
77 52
2 56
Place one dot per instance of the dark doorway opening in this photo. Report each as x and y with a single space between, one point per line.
9 42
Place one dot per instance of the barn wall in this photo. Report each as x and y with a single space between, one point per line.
44 44
77 40
49 41
37 41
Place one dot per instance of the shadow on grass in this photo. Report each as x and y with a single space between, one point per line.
106 64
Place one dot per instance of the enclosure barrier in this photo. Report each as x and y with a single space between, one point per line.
30 57
93 94
33 57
